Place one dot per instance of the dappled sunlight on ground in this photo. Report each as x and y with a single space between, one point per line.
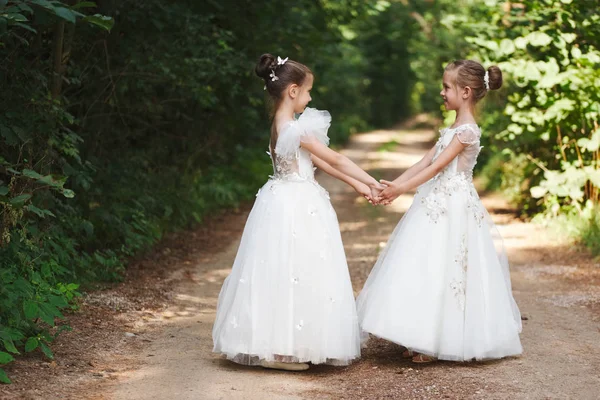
352 226
196 299
217 275
390 150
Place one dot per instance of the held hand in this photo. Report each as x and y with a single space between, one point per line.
391 193
375 191
364 191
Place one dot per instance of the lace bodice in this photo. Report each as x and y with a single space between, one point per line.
465 161
292 162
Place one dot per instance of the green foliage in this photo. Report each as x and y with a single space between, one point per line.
590 234
582 227
388 146
550 52
39 258
551 55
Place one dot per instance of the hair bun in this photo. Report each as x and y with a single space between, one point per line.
495 75
264 66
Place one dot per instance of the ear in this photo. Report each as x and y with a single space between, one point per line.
467 92
293 90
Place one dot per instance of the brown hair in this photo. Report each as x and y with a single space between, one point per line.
471 73
292 72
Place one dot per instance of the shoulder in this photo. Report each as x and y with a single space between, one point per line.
467 133
462 127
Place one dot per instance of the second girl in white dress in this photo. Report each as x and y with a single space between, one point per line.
441 287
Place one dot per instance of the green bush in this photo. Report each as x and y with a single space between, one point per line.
590 235
551 57
580 227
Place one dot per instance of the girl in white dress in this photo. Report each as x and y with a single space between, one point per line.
441 287
288 300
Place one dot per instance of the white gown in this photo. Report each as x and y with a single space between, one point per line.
441 286
289 297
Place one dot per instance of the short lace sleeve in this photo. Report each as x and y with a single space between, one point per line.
312 123
468 134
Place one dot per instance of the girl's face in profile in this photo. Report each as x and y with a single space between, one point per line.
450 92
303 97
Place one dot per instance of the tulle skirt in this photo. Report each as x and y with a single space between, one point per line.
289 297
441 286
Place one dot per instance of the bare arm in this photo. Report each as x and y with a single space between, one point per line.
397 187
338 162
329 170
417 167
358 186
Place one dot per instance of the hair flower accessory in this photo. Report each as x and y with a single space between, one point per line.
280 62
486 80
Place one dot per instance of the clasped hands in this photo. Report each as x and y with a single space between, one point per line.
381 193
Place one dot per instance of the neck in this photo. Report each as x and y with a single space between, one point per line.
465 114
285 112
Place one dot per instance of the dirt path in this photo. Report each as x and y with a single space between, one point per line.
556 286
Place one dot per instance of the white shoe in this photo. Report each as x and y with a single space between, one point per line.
284 366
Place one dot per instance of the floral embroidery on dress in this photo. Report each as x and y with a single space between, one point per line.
463 254
475 207
436 205
459 289
459 286
285 166
445 184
